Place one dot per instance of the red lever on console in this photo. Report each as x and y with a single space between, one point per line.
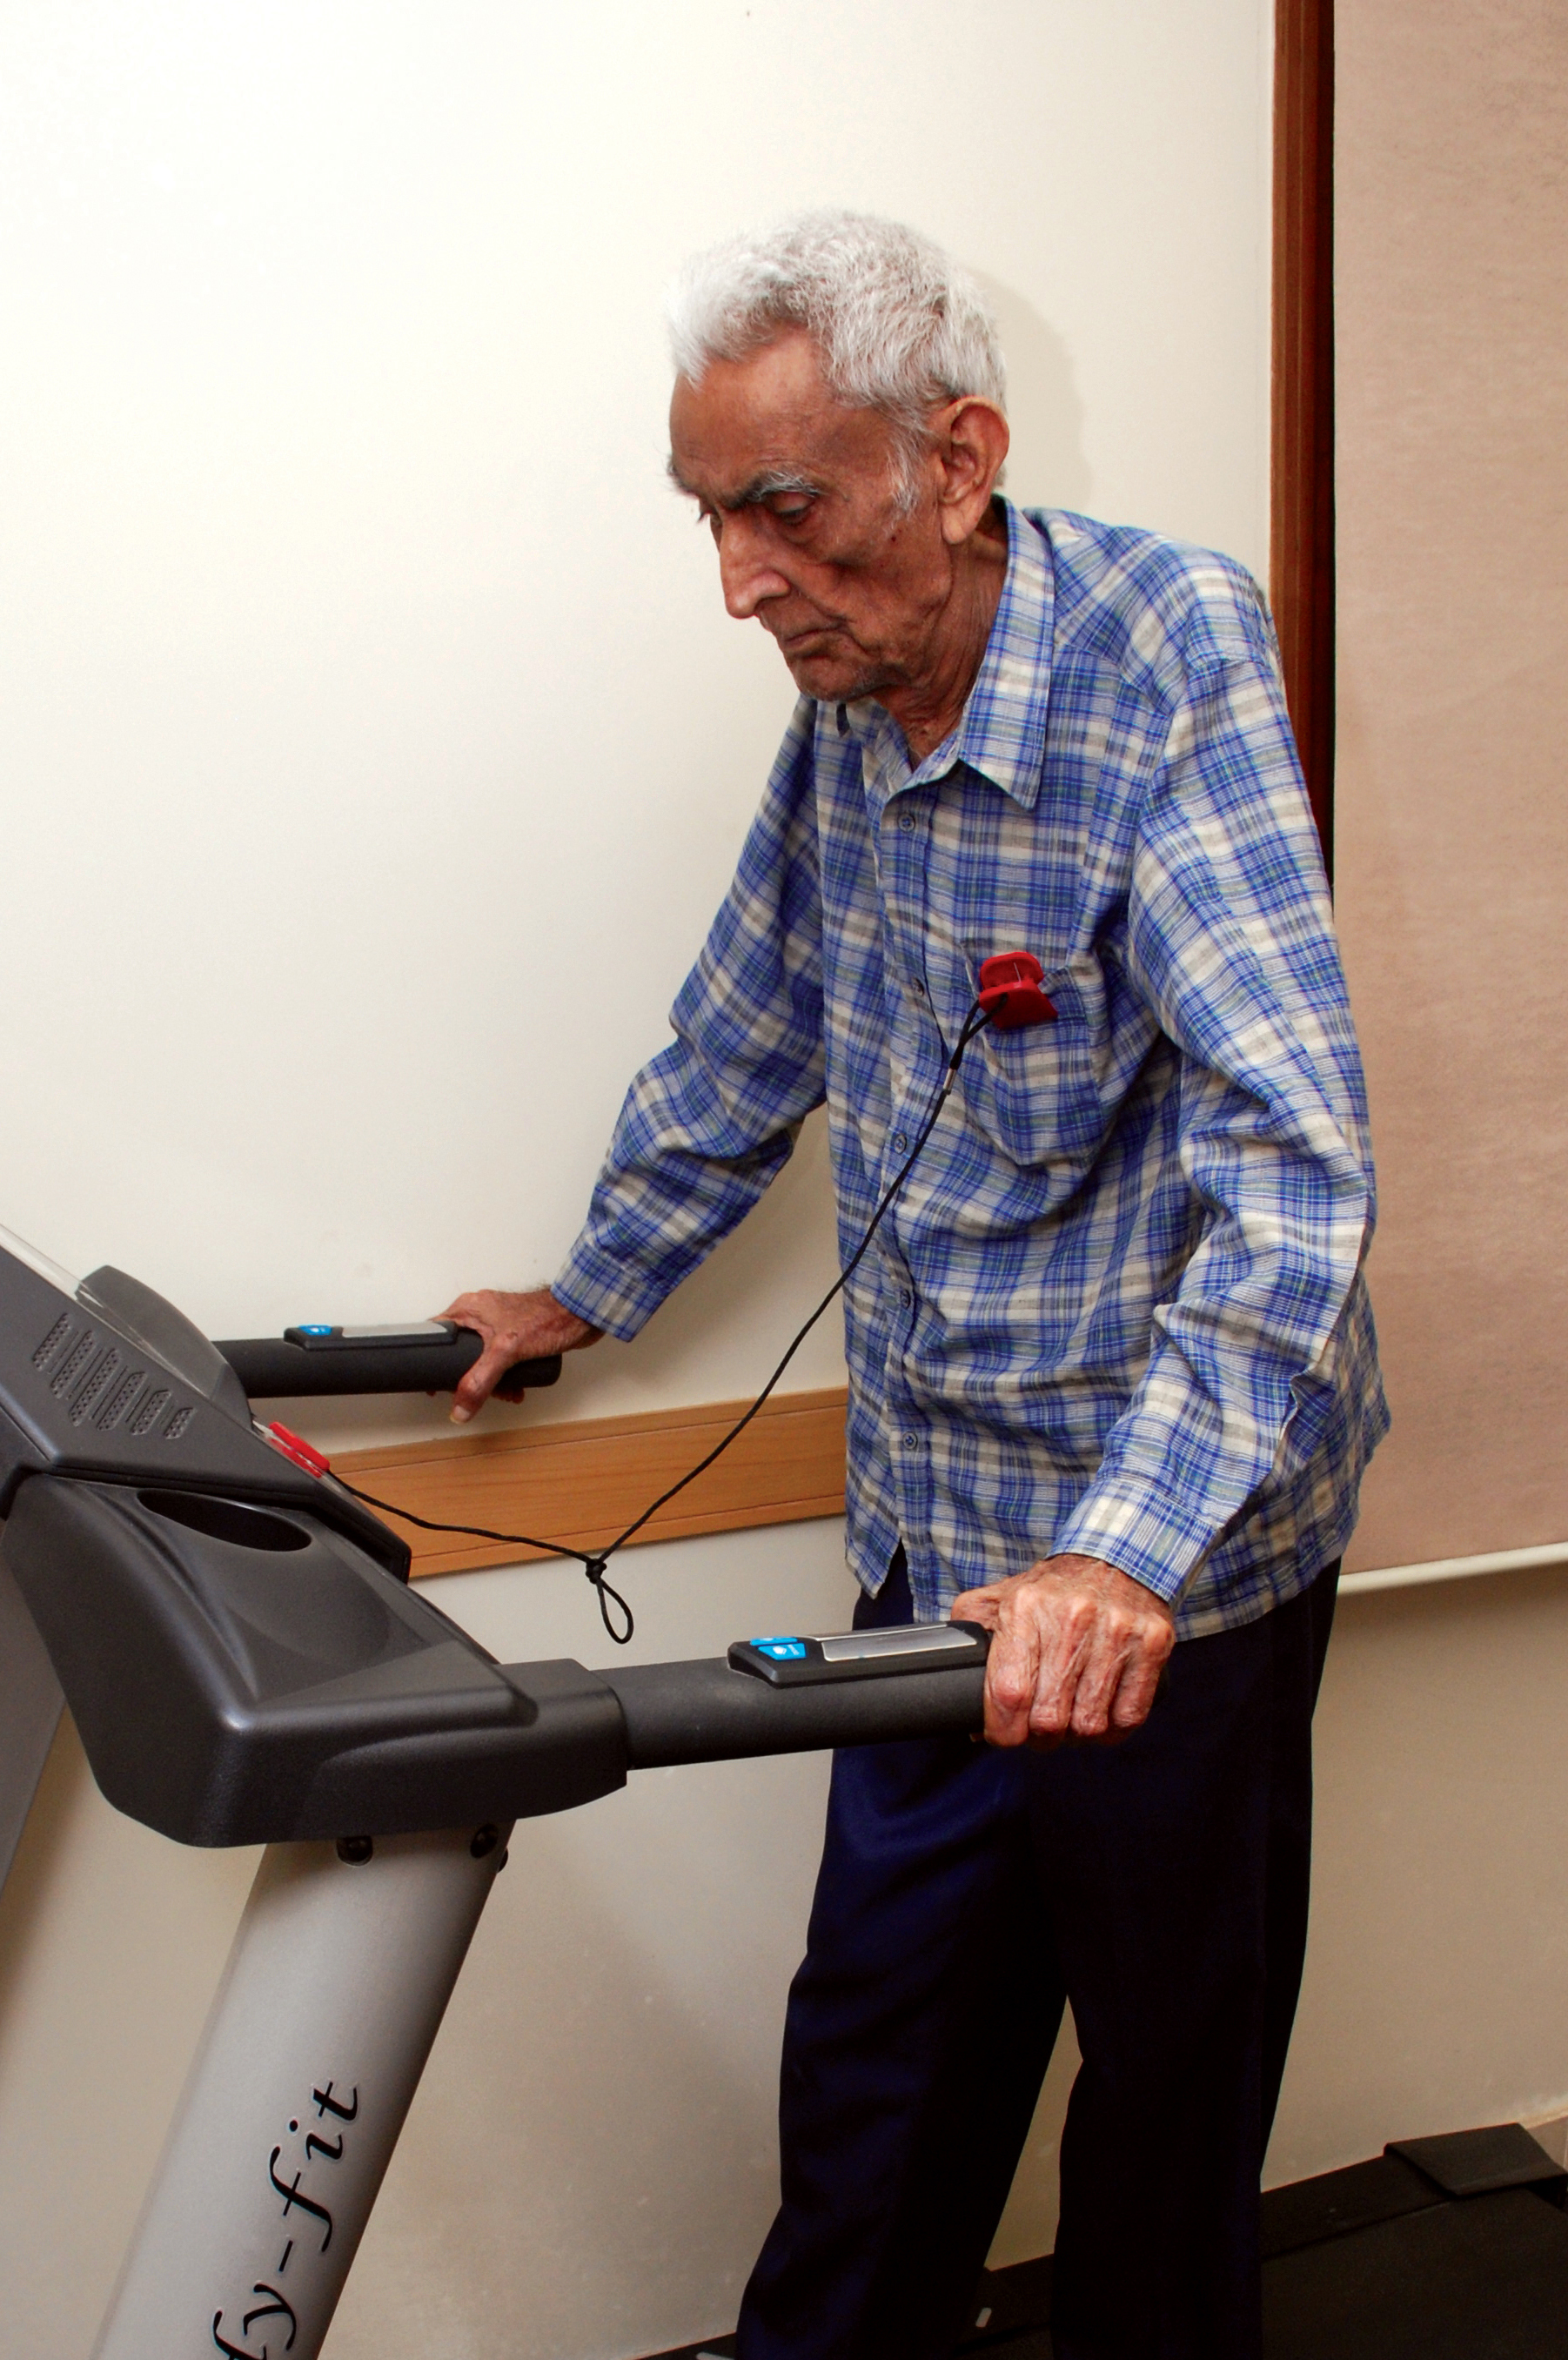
1010 992
295 1446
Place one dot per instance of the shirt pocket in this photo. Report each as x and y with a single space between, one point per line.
1038 1093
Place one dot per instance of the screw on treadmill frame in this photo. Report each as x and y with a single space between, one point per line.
486 1840
354 1850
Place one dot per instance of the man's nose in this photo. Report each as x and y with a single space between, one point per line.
747 571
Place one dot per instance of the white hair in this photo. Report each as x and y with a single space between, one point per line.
898 326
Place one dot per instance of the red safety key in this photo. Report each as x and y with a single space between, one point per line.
295 1446
1010 992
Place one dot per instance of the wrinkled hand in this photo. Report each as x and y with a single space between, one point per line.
1077 1652
512 1327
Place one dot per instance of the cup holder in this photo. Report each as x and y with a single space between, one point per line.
226 1520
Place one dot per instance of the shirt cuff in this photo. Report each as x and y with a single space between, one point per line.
1127 1522
611 1294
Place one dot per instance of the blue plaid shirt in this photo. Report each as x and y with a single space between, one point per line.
1119 1306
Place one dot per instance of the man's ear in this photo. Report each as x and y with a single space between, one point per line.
970 439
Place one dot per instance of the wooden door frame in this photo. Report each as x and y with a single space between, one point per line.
1301 518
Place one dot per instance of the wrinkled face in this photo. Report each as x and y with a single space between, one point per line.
802 495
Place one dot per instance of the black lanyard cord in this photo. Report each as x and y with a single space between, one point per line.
594 1562
973 1023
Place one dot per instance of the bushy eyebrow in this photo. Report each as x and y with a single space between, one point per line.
767 485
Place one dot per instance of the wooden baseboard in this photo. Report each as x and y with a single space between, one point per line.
580 1484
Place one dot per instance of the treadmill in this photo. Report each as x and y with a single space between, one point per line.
237 1638
246 1663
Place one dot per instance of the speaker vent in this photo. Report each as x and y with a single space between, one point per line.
52 1342
151 1410
89 1372
75 1360
120 1400
92 1393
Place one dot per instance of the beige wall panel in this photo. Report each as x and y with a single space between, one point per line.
1437 1969
1450 816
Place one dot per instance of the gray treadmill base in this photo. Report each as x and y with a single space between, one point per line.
1449 2248
1014 2304
1452 2248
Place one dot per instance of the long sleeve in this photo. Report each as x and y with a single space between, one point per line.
712 1119
1230 941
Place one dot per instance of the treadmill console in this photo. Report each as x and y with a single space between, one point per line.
106 1382
787 1662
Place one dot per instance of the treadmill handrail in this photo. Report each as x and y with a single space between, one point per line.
272 1369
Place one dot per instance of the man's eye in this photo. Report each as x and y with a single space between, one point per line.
794 509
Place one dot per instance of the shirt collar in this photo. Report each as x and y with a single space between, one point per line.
1001 733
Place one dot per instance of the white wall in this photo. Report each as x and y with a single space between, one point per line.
375 750
375 745
1437 1969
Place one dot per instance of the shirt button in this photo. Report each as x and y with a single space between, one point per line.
905 1298
911 1441
900 1141
907 822
917 987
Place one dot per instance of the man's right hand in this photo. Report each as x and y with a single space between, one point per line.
511 1328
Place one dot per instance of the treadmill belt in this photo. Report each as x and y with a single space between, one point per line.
1450 2249
1479 2277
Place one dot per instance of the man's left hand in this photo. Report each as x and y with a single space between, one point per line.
1077 1652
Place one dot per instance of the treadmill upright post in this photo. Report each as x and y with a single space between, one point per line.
338 1980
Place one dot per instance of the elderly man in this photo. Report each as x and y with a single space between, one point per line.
1112 1374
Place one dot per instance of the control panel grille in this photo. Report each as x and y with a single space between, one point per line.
52 1342
70 1368
151 1410
88 1393
120 1400
87 1372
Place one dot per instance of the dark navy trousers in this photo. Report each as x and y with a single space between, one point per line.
964 1894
